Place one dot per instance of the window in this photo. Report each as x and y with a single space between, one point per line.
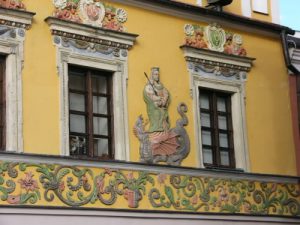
260 6
219 95
2 103
90 113
102 134
216 128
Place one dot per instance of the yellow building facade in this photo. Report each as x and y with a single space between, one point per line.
138 111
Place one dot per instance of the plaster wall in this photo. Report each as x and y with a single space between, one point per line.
267 104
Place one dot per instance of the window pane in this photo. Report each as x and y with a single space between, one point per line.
77 82
222 122
224 158
206 137
77 102
100 126
99 84
100 105
221 104
207 156
101 147
204 101
77 123
223 138
78 145
205 120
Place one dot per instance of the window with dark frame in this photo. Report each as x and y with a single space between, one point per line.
90 113
216 128
2 103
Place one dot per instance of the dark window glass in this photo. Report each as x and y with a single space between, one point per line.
2 103
90 113
216 128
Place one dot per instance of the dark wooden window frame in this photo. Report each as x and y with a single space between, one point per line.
2 103
214 129
89 114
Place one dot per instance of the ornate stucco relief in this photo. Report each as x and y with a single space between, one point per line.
93 187
214 38
160 143
92 12
217 65
12 4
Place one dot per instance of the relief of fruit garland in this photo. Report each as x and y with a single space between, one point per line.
22 184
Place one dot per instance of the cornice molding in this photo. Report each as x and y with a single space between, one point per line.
16 18
213 58
90 33
117 164
200 14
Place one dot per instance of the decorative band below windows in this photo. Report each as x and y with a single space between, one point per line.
58 185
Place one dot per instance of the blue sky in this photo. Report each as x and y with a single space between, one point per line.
290 13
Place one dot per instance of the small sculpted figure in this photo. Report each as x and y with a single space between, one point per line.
157 100
160 143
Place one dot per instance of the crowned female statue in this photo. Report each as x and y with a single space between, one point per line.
157 100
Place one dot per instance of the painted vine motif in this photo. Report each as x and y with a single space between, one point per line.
70 186
12 4
92 12
213 37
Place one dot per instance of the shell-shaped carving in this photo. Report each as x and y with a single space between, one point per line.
121 15
237 39
189 29
60 4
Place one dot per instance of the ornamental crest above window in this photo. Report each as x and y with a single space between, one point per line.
12 4
214 38
91 12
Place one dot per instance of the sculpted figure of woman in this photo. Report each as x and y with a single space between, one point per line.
157 100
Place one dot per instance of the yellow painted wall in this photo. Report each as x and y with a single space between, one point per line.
268 108
40 84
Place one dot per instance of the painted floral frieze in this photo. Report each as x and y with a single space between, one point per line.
12 4
74 186
214 38
92 12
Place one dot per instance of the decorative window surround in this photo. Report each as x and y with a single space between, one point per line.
219 71
16 18
98 48
13 24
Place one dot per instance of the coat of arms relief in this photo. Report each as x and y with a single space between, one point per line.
215 38
91 12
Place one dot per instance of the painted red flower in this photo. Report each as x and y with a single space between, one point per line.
100 184
84 179
130 176
29 184
61 186
161 178
194 200
247 207
14 199
108 171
